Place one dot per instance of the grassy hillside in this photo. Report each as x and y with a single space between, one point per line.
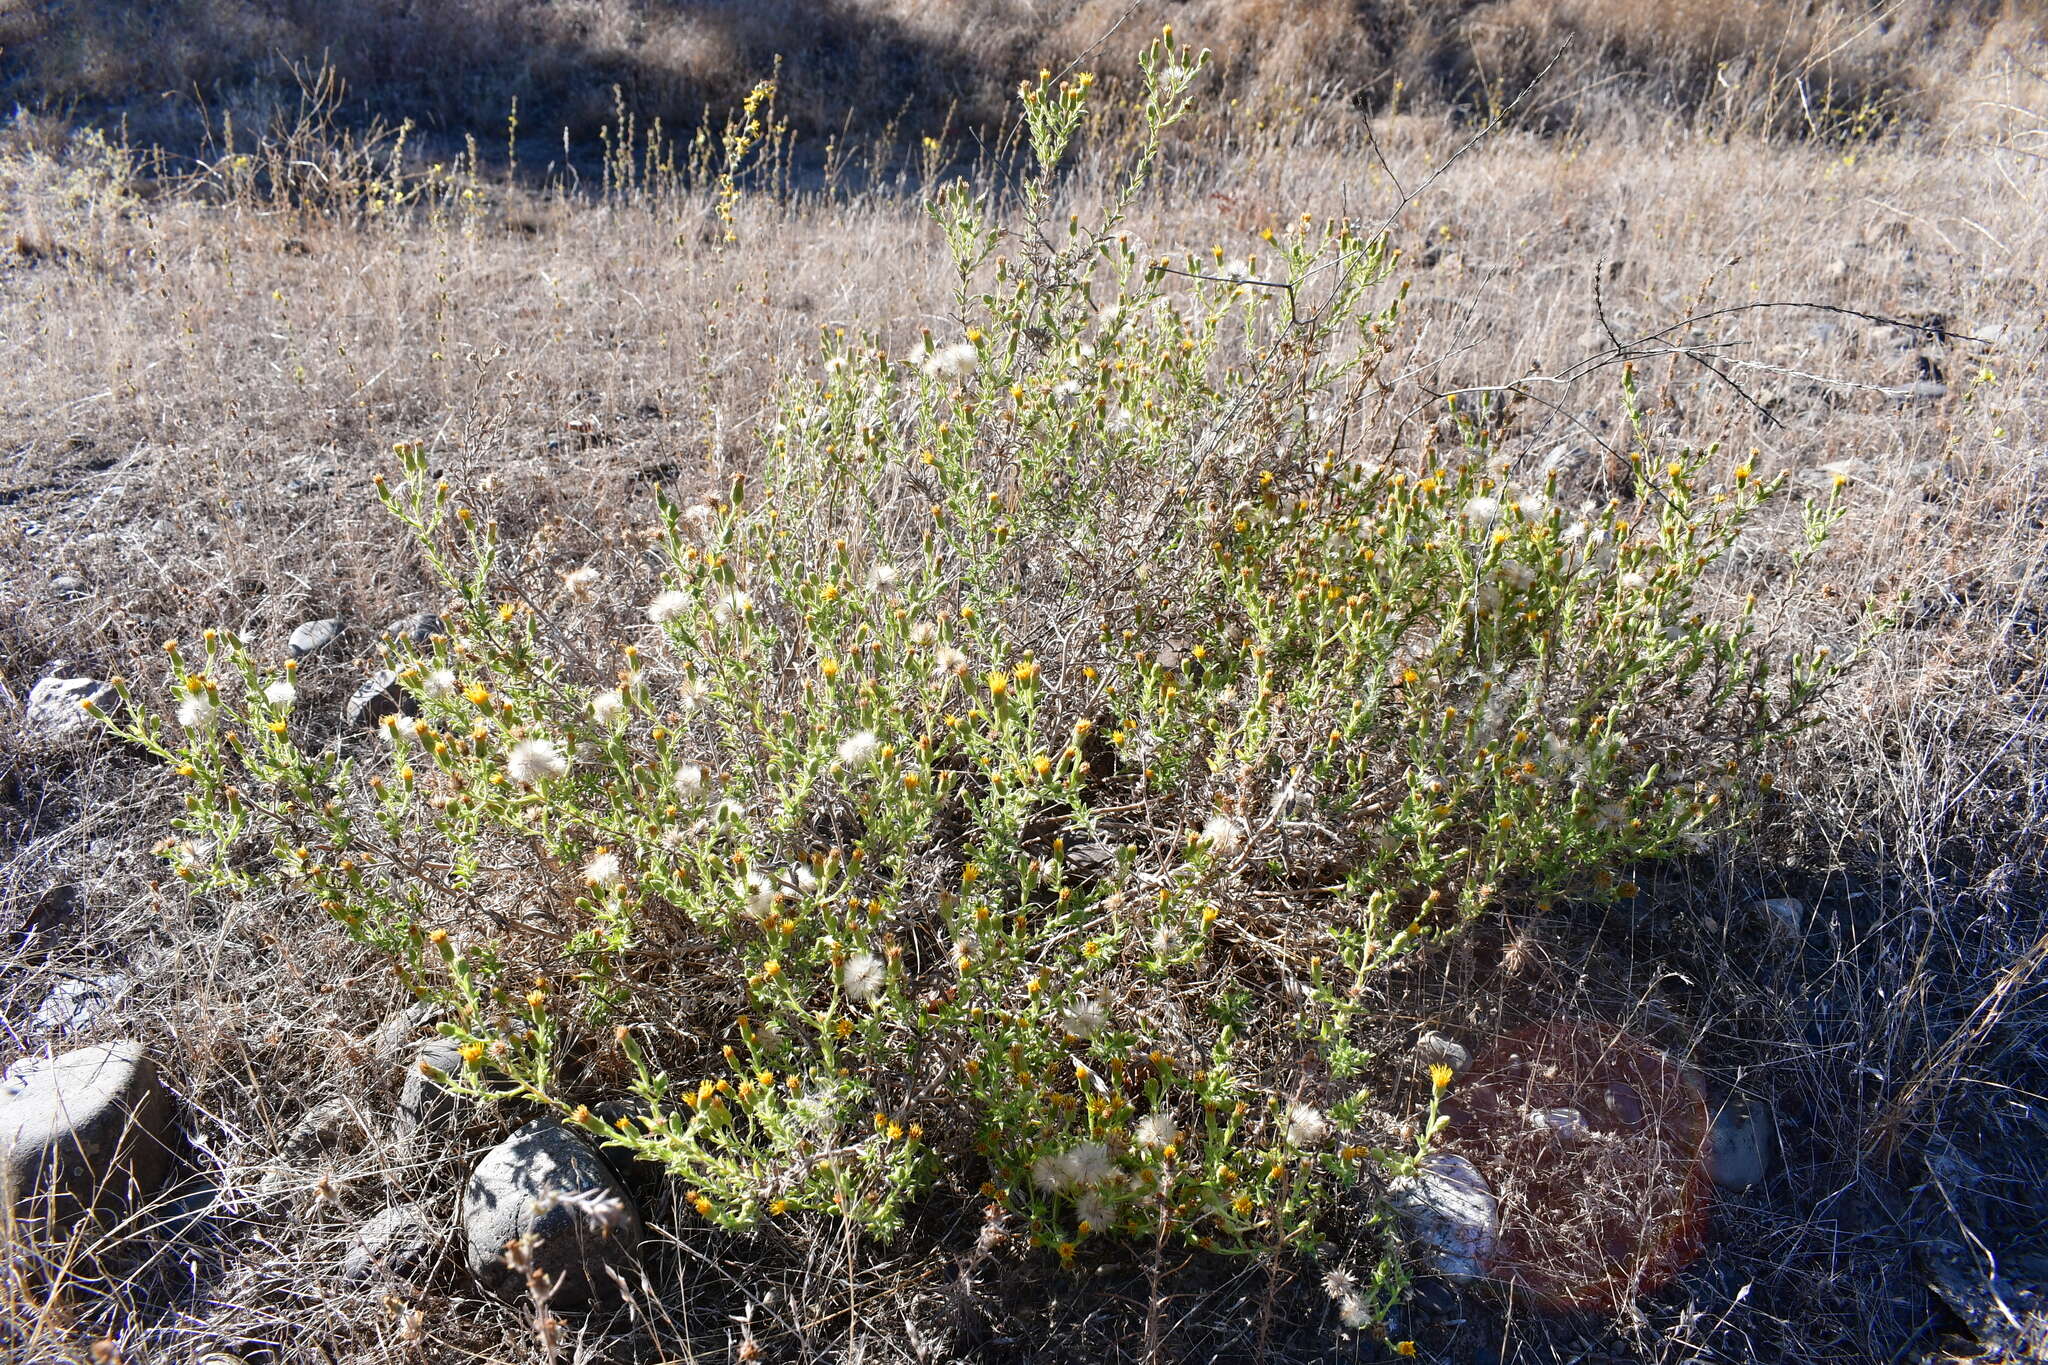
1811 234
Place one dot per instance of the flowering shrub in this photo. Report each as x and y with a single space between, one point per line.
1019 774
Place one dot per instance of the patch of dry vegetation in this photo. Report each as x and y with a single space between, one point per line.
203 380
1835 68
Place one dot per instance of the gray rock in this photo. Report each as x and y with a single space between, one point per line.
56 708
378 697
1091 862
1788 911
333 1123
398 1242
395 1036
1624 1104
179 1212
417 630
313 636
78 1002
84 1130
548 1184
1568 1123
424 1104
69 585
1450 1208
1739 1143
1440 1049
641 1175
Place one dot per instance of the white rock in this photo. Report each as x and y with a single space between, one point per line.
1449 1206
417 630
1563 1121
378 697
77 1002
55 710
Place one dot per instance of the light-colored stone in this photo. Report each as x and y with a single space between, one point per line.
425 1105
1450 1208
76 1003
333 1123
378 697
311 637
56 708
1440 1049
416 631
1739 1143
86 1129
397 1242
1568 1123
1788 911
548 1186
395 1037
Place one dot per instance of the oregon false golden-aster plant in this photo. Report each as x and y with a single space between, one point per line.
1016 776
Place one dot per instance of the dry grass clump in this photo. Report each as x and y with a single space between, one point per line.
202 385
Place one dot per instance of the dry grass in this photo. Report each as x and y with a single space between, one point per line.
198 391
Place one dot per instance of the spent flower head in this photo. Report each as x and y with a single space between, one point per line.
669 606
533 761
862 977
1306 1125
1156 1129
603 869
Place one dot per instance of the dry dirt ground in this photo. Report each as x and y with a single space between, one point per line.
200 383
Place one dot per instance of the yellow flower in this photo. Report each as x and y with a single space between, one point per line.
1440 1076
1404 1348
